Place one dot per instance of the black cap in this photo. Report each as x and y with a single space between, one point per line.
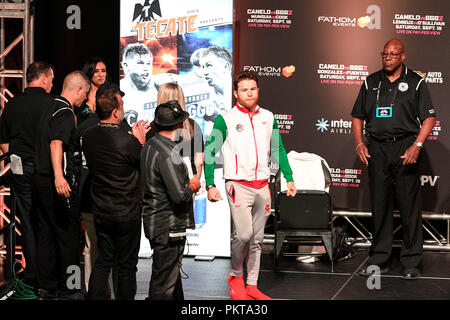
169 114
108 86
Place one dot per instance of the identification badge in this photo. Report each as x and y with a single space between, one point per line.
384 112
16 164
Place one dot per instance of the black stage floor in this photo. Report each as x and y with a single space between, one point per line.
207 280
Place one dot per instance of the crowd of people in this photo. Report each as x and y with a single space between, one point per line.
82 173
75 158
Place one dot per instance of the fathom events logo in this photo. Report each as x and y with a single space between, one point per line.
266 71
334 126
271 71
370 21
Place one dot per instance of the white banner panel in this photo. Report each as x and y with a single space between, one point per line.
188 42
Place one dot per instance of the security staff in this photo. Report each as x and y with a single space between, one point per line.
396 107
57 192
18 135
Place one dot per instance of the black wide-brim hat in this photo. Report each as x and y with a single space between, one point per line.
169 114
108 86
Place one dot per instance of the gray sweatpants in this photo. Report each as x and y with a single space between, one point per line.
250 209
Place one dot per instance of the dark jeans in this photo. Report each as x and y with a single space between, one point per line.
22 186
389 178
165 283
59 231
117 242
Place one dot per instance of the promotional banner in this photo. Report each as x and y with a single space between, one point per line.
312 58
190 43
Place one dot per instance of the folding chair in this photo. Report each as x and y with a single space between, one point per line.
309 213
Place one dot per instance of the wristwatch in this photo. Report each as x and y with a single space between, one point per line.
210 186
419 144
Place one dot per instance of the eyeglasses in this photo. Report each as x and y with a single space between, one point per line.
393 55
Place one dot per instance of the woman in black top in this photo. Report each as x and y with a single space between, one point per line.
96 71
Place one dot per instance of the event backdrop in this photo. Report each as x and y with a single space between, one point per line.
177 33
313 56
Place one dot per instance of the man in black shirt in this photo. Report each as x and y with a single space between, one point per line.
167 198
18 135
90 249
112 156
398 113
57 192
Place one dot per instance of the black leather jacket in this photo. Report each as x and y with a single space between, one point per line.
167 198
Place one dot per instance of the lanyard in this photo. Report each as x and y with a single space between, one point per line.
403 79
393 98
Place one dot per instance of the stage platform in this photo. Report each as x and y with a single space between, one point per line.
207 280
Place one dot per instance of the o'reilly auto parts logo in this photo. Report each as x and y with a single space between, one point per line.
431 76
333 126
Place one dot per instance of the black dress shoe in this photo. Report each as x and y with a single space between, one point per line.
47 294
411 274
78 295
367 270
31 282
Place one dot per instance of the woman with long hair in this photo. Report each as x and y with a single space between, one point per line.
192 138
96 71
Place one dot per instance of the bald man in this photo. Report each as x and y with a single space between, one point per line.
396 107
56 191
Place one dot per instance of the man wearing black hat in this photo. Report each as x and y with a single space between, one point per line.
167 202
112 156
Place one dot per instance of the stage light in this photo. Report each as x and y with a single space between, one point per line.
167 58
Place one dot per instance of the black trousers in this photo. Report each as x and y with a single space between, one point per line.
58 245
22 186
117 242
389 178
165 283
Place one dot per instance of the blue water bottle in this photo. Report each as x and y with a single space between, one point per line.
200 209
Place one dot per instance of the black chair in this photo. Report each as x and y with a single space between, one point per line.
308 214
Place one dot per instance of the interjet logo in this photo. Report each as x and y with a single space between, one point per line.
322 125
340 126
